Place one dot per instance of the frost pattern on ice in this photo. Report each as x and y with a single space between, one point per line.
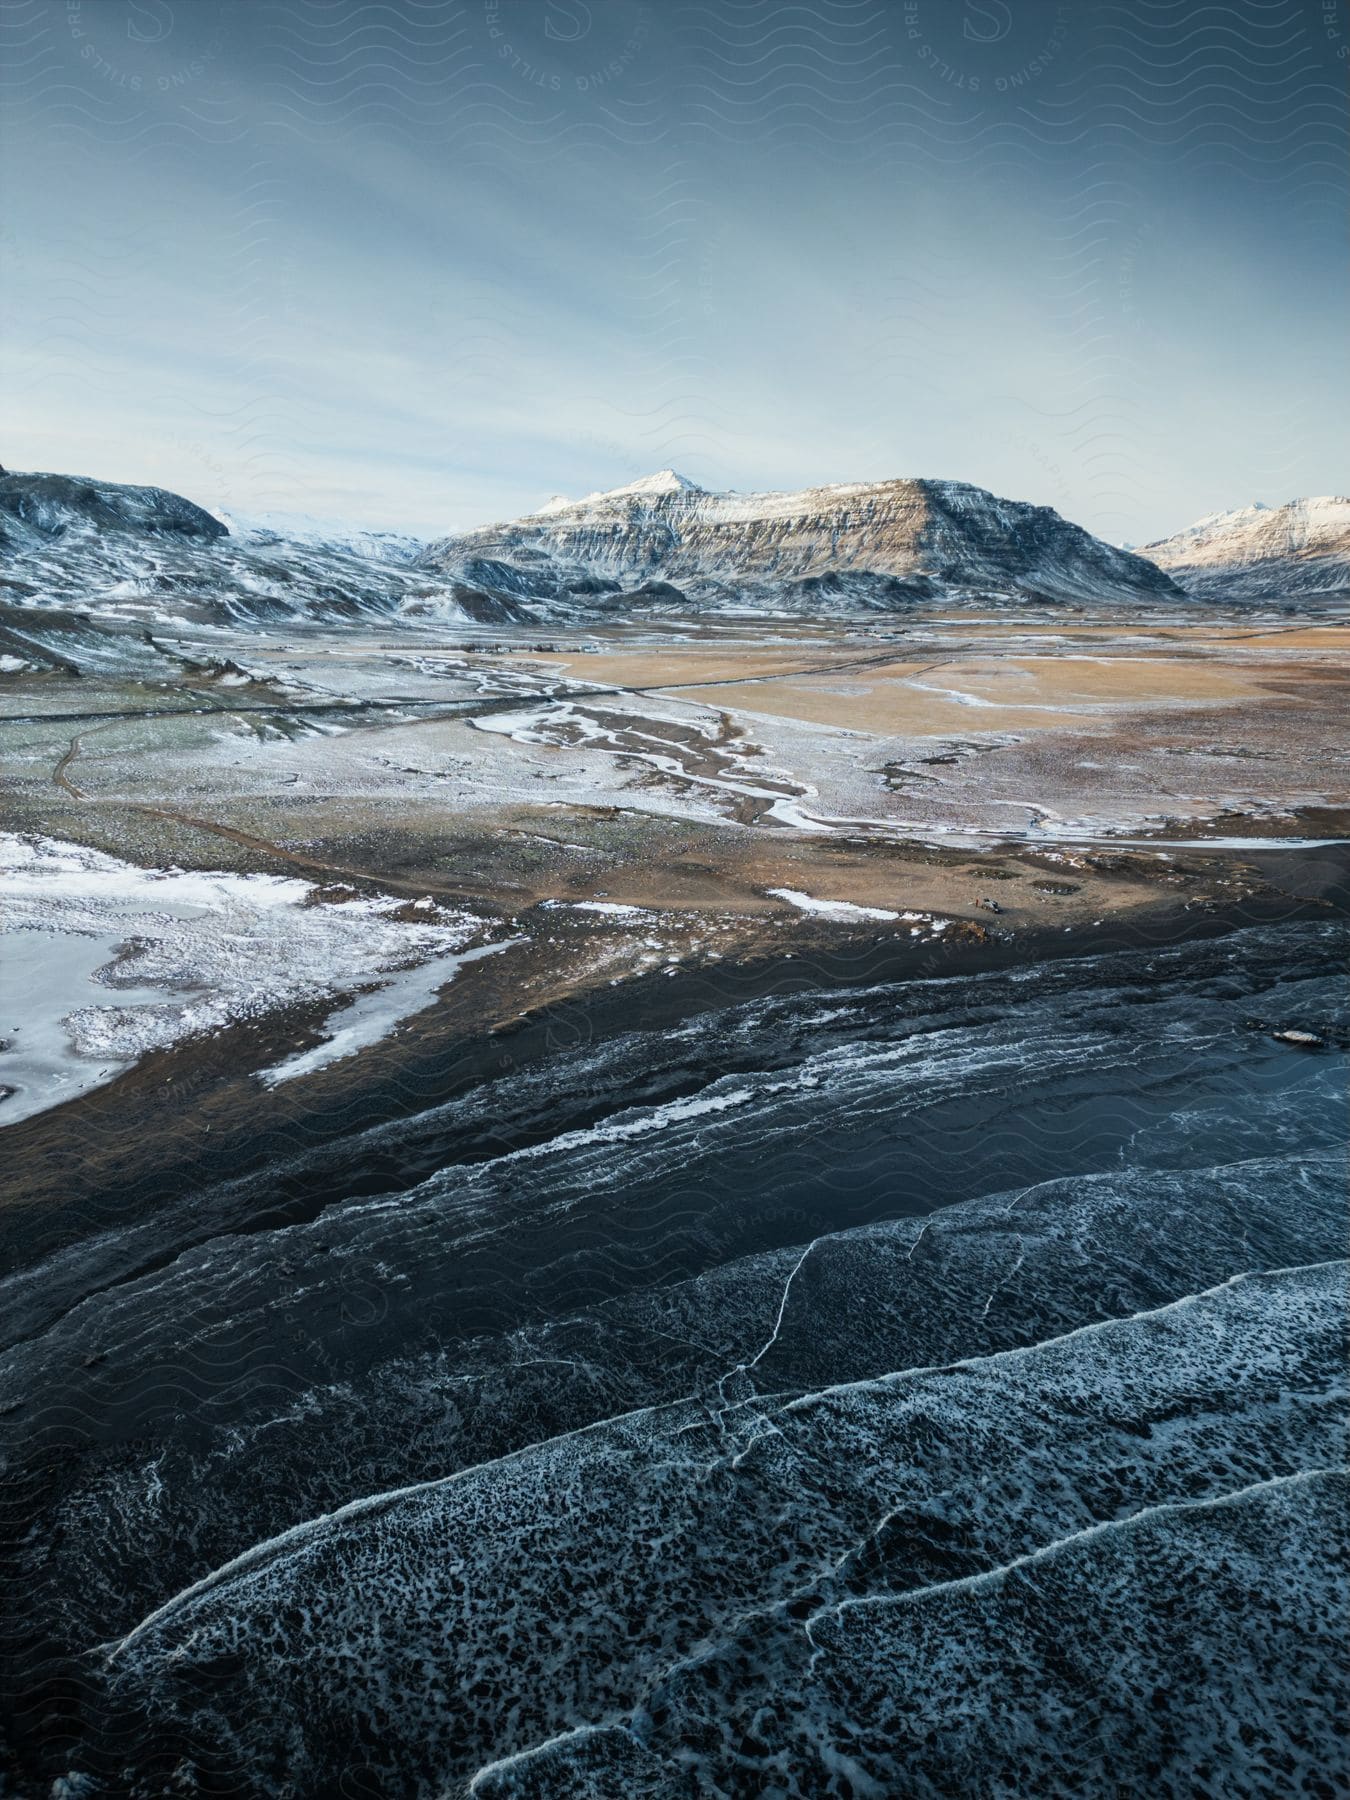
871 1521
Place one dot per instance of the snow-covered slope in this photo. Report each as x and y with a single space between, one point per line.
663 541
151 556
321 534
38 508
1296 552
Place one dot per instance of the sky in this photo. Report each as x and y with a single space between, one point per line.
425 264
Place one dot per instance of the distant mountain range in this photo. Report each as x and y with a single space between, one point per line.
1272 553
659 545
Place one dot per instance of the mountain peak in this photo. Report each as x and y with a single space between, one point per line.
664 481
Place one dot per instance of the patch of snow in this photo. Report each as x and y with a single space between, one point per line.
830 909
641 1122
321 534
961 696
114 960
614 907
370 1017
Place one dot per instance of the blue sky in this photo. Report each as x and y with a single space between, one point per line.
424 264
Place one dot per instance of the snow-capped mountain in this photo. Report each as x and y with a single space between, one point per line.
666 542
665 481
1296 552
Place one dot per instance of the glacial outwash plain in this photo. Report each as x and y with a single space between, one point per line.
691 1145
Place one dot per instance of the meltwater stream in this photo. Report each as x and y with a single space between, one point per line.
793 1401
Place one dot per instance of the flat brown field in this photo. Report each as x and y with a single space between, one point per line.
924 696
682 664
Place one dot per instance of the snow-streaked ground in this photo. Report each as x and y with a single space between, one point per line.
1075 750
1044 744
347 745
108 961
373 1015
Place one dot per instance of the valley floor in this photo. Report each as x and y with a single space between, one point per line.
242 865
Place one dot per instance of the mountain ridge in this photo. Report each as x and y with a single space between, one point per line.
663 540
37 507
658 544
113 552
